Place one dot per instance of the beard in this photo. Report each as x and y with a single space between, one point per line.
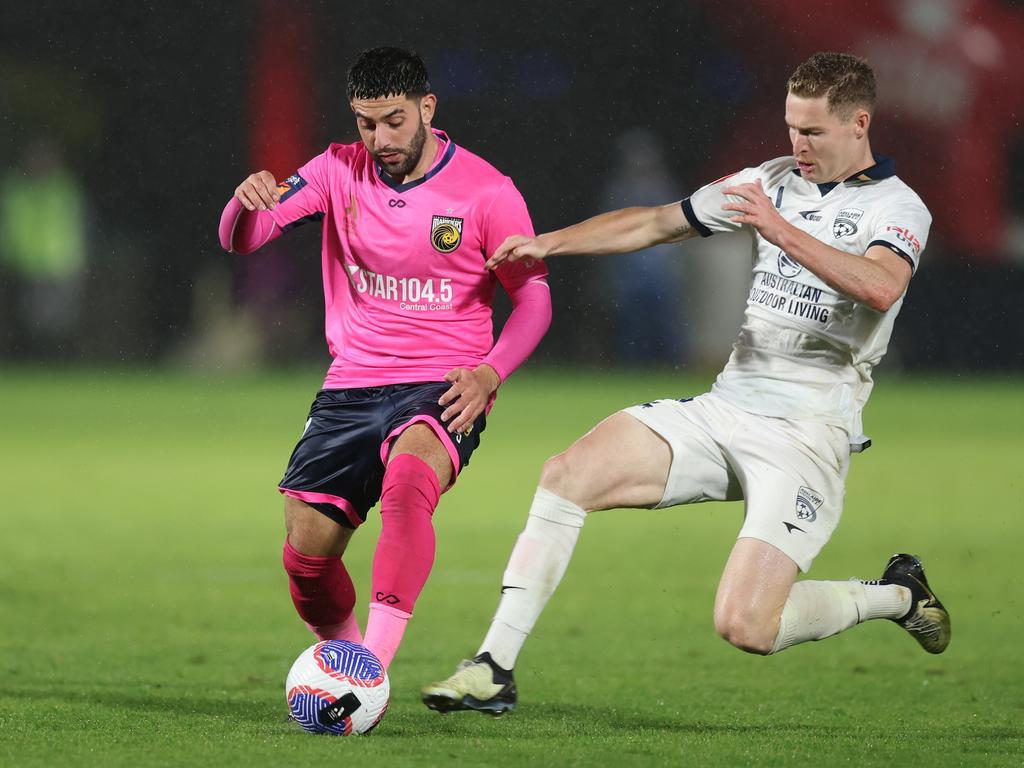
410 155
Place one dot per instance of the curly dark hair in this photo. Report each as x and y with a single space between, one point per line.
382 72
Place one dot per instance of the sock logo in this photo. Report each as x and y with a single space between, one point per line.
503 588
386 598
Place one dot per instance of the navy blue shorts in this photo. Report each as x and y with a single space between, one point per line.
338 464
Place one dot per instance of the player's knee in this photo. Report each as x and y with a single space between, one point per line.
554 474
563 476
745 630
310 532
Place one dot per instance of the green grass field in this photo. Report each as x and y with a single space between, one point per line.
145 619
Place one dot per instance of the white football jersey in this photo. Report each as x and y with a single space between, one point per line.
805 351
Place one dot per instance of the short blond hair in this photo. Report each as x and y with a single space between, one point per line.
846 81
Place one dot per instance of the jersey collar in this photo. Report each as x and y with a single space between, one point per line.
446 155
883 168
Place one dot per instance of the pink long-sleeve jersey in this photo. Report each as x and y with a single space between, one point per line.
407 296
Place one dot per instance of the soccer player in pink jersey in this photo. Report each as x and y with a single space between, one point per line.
409 219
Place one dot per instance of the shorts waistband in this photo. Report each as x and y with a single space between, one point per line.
362 393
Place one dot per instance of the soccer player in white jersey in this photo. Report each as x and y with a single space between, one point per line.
836 236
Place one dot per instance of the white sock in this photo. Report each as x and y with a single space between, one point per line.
885 601
815 610
534 569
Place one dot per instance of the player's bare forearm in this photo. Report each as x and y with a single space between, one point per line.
877 278
622 231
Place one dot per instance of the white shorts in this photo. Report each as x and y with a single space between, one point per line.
791 473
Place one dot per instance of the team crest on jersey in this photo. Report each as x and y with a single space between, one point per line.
808 502
289 187
846 222
788 267
445 233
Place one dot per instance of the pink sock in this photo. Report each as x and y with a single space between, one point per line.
323 594
384 629
405 551
346 630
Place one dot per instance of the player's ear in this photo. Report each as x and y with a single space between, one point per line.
427 106
861 122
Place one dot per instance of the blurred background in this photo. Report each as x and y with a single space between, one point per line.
144 614
126 126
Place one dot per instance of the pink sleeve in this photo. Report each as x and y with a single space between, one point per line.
243 231
303 197
525 283
508 216
525 327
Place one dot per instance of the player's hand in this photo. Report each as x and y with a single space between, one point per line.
467 396
259 191
517 247
757 210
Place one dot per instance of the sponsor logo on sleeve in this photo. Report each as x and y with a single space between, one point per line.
845 224
445 233
290 186
904 236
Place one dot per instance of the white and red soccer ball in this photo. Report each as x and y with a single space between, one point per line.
337 687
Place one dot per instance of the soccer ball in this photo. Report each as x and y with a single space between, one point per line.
337 687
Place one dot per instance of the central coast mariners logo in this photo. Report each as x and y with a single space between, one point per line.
808 502
445 233
846 222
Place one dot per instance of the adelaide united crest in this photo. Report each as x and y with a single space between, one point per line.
845 224
808 502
